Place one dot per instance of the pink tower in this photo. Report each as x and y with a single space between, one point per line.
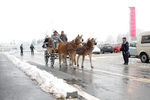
132 23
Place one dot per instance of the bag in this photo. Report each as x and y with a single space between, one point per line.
128 53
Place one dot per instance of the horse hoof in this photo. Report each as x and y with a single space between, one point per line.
52 66
78 65
92 67
74 68
59 66
82 66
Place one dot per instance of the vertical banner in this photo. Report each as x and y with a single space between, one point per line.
132 22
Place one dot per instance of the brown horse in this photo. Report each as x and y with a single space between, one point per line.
86 49
69 49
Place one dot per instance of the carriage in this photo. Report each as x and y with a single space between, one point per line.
63 48
50 56
70 48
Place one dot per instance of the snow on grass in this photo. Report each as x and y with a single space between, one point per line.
47 82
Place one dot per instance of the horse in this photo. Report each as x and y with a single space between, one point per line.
86 49
69 49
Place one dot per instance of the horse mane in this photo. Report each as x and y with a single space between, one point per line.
89 44
49 41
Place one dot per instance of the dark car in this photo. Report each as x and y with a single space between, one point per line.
107 48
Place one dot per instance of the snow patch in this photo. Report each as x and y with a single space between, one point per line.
47 82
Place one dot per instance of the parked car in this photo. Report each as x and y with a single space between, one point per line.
116 48
96 50
132 49
100 46
143 47
107 48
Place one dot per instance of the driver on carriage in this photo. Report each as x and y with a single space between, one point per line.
55 39
45 44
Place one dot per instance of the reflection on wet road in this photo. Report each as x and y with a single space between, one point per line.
109 80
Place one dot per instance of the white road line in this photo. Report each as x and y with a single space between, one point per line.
84 94
126 76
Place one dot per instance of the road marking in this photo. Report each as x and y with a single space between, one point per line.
84 94
126 76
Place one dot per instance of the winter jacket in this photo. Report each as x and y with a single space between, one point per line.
64 38
124 47
56 38
32 47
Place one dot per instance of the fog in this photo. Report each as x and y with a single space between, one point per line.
25 20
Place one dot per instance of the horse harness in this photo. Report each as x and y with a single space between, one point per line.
77 49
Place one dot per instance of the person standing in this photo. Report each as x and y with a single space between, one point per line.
63 37
21 49
32 49
125 50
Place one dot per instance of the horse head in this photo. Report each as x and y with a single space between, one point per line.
78 40
91 42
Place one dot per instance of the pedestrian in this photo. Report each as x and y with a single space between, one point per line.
63 37
125 50
21 49
32 49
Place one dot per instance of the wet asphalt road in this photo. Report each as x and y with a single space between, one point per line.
109 80
15 85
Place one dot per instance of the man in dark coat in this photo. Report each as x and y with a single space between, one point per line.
125 48
45 44
21 49
32 49
63 37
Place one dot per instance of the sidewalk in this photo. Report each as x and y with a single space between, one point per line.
15 85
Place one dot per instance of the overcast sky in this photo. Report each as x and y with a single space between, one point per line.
24 20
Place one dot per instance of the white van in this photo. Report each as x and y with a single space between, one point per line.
143 47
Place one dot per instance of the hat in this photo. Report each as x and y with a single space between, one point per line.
55 31
124 38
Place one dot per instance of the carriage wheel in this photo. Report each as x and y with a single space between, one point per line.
46 57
